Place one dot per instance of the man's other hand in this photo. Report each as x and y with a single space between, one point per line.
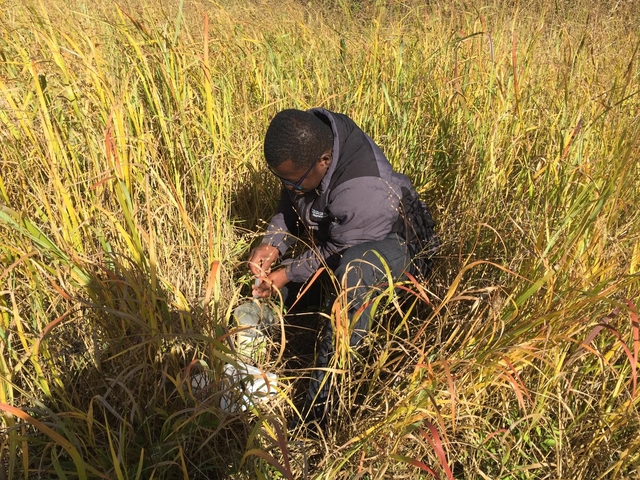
270 284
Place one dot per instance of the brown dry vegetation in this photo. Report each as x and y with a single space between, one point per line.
132 187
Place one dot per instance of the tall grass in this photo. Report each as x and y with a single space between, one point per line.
132 188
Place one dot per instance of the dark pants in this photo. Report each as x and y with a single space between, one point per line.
363 271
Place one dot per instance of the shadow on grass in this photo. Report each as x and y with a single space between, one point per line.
122 371
253 200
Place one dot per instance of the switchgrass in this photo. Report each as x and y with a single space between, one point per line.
132 187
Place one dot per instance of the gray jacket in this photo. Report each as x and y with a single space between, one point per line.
357 201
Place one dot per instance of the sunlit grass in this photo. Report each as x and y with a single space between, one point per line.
132 186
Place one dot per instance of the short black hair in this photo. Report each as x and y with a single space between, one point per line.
297 136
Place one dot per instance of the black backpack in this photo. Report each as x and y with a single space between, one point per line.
416 226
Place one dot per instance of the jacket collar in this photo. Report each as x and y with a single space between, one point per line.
335 153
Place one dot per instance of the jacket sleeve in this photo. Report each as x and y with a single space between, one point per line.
364 210
284 225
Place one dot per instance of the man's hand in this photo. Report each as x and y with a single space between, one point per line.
261 259
270 284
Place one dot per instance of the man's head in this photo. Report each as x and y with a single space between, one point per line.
297 147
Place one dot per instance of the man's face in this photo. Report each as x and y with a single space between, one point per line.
303 181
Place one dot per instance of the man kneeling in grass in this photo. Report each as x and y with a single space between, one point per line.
362 218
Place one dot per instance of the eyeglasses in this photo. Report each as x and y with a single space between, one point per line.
295 185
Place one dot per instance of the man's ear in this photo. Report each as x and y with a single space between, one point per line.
327 158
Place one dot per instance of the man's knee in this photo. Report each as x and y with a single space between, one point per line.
369 263
361 268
